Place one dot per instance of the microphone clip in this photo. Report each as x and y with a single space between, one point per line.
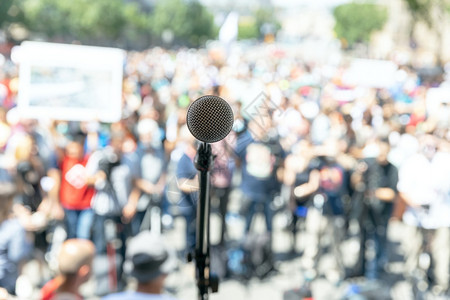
204 158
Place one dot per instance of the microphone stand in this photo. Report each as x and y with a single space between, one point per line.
205 279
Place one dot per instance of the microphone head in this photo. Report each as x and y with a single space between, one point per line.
210 119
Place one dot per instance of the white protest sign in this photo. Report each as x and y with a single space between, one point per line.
70 82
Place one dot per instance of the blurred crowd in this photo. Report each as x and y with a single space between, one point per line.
303 142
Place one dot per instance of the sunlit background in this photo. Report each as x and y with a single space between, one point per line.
316 78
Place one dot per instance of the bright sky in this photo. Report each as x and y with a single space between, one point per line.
311 3
279 3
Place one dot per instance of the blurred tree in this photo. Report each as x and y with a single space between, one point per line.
131 24
189 22
49 18
355 22
248 28
100 22
5 6
266 23
260 24
10 15
420 10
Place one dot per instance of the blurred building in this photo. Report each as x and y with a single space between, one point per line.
419 47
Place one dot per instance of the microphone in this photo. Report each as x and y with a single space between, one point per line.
210 119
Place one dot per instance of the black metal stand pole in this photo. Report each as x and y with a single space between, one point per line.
205 279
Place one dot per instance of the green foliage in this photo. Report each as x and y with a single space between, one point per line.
256 26
355 22
190 23
48 17
427 10
90 22
265 20
112 22
248 29
420 10
5 6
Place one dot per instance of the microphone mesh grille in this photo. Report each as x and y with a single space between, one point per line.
210 119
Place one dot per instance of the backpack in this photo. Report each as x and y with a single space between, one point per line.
236 264
258 255
218 260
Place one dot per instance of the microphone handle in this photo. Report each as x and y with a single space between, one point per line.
203 162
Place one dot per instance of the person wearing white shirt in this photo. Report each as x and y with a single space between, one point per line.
425 187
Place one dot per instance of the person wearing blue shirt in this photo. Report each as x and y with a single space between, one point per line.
151 177
187 181
14 247
260 155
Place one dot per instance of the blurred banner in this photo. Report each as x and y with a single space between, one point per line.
371 73
70 82
229 31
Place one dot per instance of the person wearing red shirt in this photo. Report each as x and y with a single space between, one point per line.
76 191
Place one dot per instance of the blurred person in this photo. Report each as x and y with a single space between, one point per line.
175 119
321 126
29 171
5 130
29 204
14 245
325 215
302 177
404 145
375 179
221 176
332 176
149 261
34 206
116 197
75 268
350 135
43 141
115 173
76 190
260 157
424 186
291 124
96 136
365 129
45 151
187 178
152 173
